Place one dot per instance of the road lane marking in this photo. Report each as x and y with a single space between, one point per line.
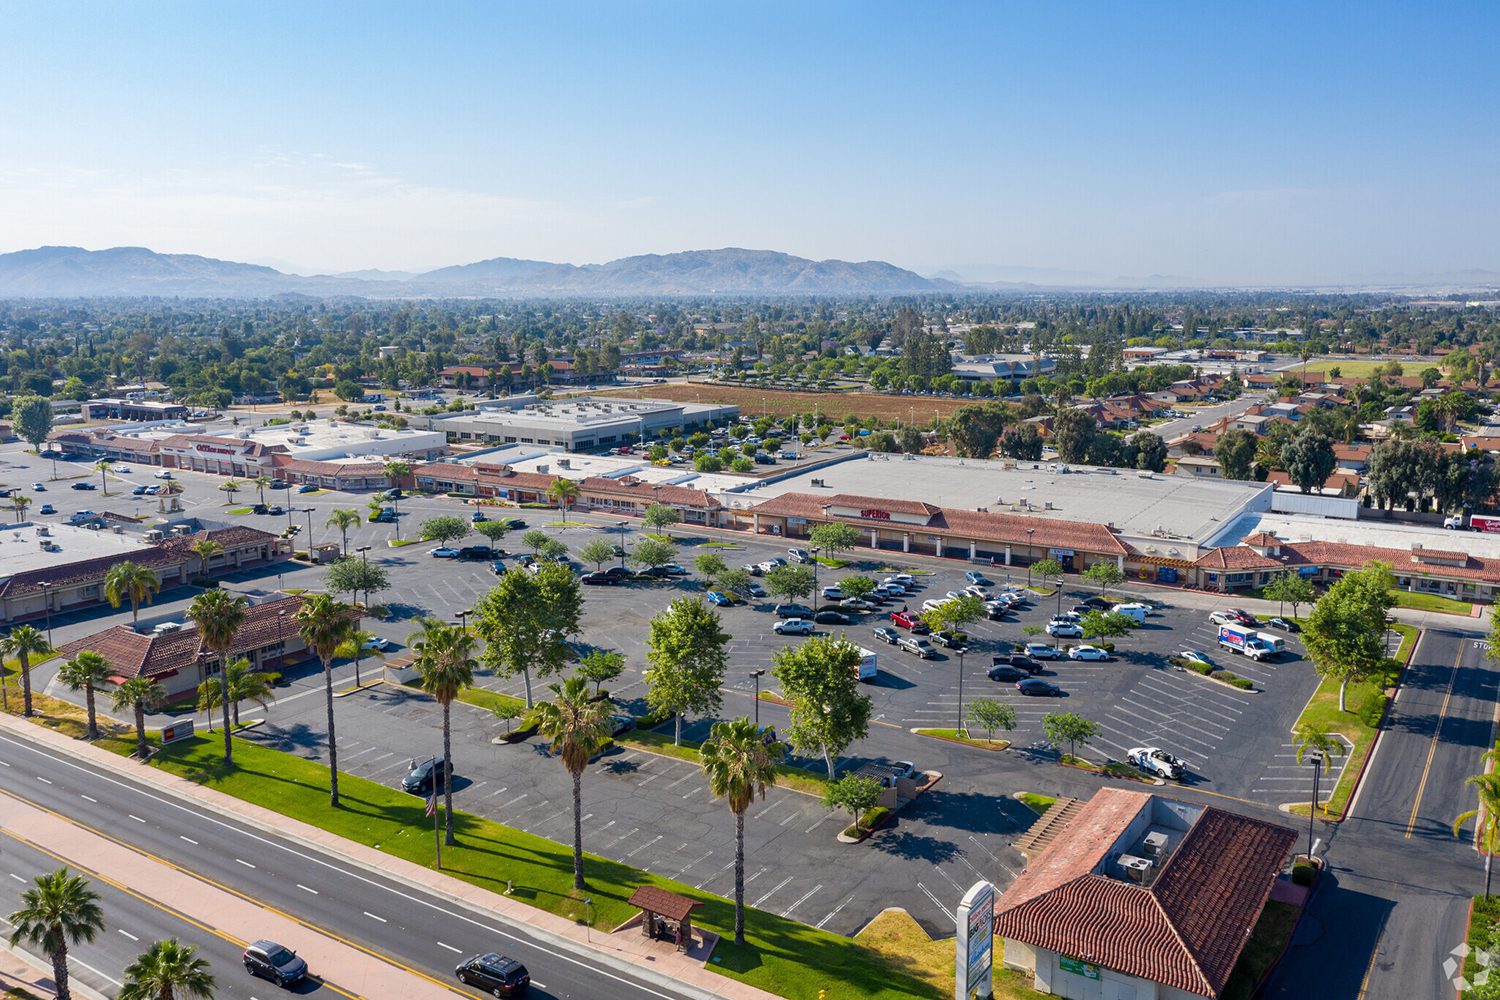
127 934
190 840
43 780
135 817
444 944
241 861
373 916
307 889
1437 731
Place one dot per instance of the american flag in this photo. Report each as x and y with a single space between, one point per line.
432 802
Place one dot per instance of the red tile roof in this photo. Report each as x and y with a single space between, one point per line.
1185 930
1343 555
314 467
882 503
677 496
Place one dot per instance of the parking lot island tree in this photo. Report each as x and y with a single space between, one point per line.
853 792
525 621
735 580
1070 728
140 695
1291 588
229 488
444 529
599 667
1106 574
359 644
130 581
536 539
355 575
652 553
659 517
494 532
576 726
261 482
599 551
740 766
445 669
687 649
324 624
31 416
711 565
341 519
1105 624
564 492
819 676
991 714
1345 631
88 672
219 615
791 583
105 464
834 538
168 970
57 909
856 588
954 613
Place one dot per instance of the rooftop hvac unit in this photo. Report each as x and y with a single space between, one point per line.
119 529
153 535
1049 506
1136 869
43 530
1155 844
179 530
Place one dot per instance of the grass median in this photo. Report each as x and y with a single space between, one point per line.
782 956
1431 602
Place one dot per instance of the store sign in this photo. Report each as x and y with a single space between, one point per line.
1068 553
875 515
177 731
975 953
1078 967
208 449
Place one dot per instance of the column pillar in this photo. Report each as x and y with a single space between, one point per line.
973 550
874 538
939 541
756 519
1007 555
1120 561
906 542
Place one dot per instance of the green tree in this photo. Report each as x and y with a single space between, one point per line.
600 666
740 766
140 695
565 492
32 418
19 504
1308 460
341 519
975 430
1234 451
708 464
829 712
445 669
535 540
229 488
833 538
1345 631
577 726
1313 738
88 672
711 565
1106 574
1291 588
789 582
325 624
599 551
129 581
525 621
687 649
1150 451
1023 443
853 792
245 684
736 581
493 531
168 970
1104 625
219 615
991 714
1048 569
954 613
1073 435
659 517
1070 728
57 909
261 482
649 553
444 529
23 642
1486 818
857 587
204 549
355 575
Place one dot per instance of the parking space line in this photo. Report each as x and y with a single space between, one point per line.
771 892
937 902
833 913
801 899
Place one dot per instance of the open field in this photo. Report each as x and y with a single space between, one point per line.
1360 368
782 403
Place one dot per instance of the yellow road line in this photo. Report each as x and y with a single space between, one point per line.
1437 731
236 893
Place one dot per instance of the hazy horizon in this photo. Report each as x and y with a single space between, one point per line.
1273 145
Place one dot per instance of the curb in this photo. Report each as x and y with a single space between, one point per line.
1385 718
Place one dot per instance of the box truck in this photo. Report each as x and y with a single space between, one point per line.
866 664
1238 639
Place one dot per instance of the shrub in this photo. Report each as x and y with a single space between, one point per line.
1202 668
1371 708
873 818
1304 873
1243 683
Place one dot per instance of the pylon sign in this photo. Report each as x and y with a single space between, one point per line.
976 943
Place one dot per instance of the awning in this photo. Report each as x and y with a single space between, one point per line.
663 903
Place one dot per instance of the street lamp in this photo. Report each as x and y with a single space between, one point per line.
47 600
757 674
623 528
960 728
814 553
588 919
309 512
1315 758
463 619
1029 554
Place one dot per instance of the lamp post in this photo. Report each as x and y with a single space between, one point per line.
588 919
463 619
1315 758
623 528
813 552
47 600
309 512
1029 554
960 728
757 674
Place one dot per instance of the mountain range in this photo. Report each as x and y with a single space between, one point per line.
73 272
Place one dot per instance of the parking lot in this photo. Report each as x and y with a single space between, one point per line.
656 812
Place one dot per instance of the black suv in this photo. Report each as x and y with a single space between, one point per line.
790 610
419 781
495 974
275 962
1020 660
477 552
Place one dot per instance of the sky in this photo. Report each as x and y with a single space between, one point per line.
1226 143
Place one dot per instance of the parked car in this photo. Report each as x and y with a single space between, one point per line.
419 780
1087 653
122 468
477 552
139 491
277 484
975 590
832 594
793 626
754 589
856 604
977 578
907 620
307 488
1042 651
277 963
1064 630
152 490
1021 661
620 723
753 569
276 510
886 634
1243 617
494 974
163 474
1285 624
905 579
478 517
1157 762
950 638
1194 656
800 555
1037 687
934 603
717 598
445 552
84 486
47 508
497 567
826 617
1006 672
604 579
918 646
377 643
789 610
672 569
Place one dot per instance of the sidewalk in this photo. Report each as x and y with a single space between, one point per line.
629 951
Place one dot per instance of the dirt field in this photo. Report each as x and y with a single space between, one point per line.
781 403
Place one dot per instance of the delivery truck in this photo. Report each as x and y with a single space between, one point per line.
1245 641
866 664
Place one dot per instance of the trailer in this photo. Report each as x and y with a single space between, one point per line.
1245 641
1485 522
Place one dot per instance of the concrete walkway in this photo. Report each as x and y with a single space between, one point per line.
626 950
20 971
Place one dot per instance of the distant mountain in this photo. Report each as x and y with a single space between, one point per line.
73 272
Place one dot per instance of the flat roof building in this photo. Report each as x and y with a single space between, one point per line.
133 409
577 424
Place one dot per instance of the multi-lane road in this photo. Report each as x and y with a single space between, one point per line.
420 933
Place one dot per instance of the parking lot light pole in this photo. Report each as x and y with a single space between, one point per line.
1315 758
623 528
1029 554
960 728
813 553
757 674
309 512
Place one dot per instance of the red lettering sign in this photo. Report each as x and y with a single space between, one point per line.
877 515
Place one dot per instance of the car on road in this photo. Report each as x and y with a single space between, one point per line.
1042 651
793 626
950 638
826 617
1087 653
419 780
445 552
1064 630
307 488
47 508
1156 761
886 634
789 610
84 486
38 488
1006 672
800 555
977 578
377 642
918 646
1020 661
277 963
1036 687
1285 624
494 974
907 620
717 598
1194 656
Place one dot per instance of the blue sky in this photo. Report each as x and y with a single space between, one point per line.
1246 144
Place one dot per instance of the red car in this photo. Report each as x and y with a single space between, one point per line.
908 620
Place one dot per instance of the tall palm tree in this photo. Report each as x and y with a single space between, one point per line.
133 582
1311 737
261 482
1486 818
396 469
219 615
19 504
577 726
23 642
445 667
205 549
168 970
325 624
740 767
245 683
564 491
58 909
103 467
344 518
88 671
140 695
230 487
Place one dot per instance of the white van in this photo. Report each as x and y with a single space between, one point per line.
1135 612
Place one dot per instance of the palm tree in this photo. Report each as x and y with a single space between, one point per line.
205 549
58 909
740 767
1486 818
564 491
445 667
19 505
103 466
396 469
230 488
356 646
344 518
133 582
23 642
168 970
140 695
576 725
325 624
1314 738
89 671
169 489
245 684
219 615
261 482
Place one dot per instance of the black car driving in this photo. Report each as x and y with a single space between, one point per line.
419 780
278 963
495 974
